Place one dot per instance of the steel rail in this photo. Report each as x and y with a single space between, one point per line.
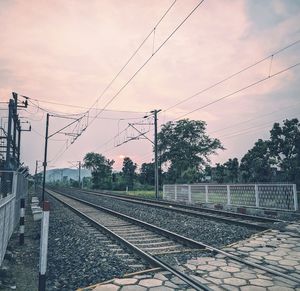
187 241
177 204
193 210
154 261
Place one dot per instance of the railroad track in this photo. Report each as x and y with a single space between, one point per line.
149 241
252 221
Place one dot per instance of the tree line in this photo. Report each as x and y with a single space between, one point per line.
185 149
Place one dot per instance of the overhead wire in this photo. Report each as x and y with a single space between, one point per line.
235 74
143 65
133 55
239 90
147 61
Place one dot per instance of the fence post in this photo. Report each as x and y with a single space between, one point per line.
256 195
295 197
228 195
190 193
206 193
175 192
22 221
164 187
44 246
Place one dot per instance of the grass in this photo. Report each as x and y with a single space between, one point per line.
139 193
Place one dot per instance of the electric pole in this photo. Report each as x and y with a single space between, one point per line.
45 158
156 153
79 174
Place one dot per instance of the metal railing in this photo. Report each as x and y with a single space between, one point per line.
273 196
13 187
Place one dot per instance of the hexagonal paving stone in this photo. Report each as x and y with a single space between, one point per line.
246 249
191 267
218 263
258 254
220 274
245 275
133 288
150 283
280 288
203 260
129 281
161 288
288 263
107 287
170 284
160 276
273 258
252 288
230 288
207 268
235 281
230 269
261 282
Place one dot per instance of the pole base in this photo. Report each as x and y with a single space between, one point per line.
42 282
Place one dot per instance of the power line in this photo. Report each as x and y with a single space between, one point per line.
146 62
255 118
81 107
234 75
239 90
143 65
133 55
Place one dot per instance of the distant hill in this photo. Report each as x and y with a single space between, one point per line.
59 174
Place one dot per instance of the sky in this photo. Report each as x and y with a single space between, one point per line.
68 52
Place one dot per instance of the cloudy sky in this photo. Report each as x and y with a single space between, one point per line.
68 52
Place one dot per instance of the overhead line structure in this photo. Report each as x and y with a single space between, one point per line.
271 56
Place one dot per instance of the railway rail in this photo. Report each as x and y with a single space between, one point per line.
253 221
149 241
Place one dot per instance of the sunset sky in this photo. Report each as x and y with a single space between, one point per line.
68 52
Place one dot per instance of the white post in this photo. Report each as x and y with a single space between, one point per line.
295 197
228 195
175 192
190 194
164 189
206 194
256 195
44 246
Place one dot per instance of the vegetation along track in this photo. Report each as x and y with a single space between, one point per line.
252 221
150 241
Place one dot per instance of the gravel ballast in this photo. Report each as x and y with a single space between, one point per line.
207 231
76 257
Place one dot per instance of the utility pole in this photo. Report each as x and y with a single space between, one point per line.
156 152
35 176
45 158
79 174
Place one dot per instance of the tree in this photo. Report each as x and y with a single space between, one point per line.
185 145
285 148
232 170
219 173
128 171
101 169
147 173
256 163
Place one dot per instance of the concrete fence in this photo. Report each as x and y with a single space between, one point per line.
272 196
13 187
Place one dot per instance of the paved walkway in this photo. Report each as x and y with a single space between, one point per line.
277 250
